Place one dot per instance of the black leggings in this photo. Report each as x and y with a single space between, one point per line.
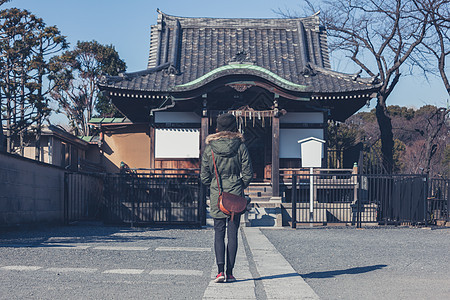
219 241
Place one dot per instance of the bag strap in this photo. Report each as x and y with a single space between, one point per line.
215 170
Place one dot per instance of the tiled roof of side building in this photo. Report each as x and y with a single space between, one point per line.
108 120
183 50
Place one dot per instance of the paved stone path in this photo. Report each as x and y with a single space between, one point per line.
279 279
99 262
142 264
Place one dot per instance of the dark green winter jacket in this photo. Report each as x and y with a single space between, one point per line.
233 165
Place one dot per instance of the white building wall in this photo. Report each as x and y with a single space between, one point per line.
289 147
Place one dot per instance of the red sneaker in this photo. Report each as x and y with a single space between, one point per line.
231 278
220 277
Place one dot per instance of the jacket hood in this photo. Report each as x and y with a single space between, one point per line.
225 143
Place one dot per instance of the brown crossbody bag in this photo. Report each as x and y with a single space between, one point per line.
229 204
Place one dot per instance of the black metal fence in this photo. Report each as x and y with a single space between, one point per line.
135 198
83 193
438 200
153 198
331 197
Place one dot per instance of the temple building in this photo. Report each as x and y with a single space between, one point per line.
274 75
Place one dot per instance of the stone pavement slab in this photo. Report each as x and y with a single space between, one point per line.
279 279
243 288
373 263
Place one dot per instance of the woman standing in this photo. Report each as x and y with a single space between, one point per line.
235 173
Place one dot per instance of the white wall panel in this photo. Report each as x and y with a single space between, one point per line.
177 143
289 147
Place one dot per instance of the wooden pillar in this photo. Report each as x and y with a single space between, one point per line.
204 126
325 138
152 146
276 153
204 130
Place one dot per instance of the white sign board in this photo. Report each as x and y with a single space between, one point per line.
311 150
177 143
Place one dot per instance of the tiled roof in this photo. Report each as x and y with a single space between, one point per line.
185 50
108 120
90 139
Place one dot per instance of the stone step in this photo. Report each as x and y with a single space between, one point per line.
264 214
261 213
259 192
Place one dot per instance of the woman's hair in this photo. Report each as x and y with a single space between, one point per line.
226 122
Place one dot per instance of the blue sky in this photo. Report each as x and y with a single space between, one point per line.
126 25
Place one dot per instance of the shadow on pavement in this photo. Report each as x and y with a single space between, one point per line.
325 274
331 274
46 236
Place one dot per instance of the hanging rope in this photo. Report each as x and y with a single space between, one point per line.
246 112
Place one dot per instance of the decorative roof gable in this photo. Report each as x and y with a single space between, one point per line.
208 43
186 53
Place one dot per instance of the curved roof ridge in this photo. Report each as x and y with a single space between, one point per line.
241 68
350 77
313 17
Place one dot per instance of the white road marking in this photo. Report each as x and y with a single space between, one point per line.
64 270
177 272
66 246
190 249
49 245
124 271
20 268
118 248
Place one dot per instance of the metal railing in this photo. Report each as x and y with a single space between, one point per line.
135 198
438 200
82 196
331 197
149 198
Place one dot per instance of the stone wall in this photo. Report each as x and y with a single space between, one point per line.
30 191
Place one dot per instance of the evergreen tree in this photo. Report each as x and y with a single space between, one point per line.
25 45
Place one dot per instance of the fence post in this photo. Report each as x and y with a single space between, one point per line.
448 199
66 199
131 194
311 197
358 201
425 198
203 204
294 201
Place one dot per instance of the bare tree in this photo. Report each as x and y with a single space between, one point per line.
379 37
75 74
437 42
436 132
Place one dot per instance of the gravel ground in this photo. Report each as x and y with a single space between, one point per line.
378 263
338 263
38 248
